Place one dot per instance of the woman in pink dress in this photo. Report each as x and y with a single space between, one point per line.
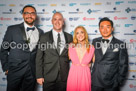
81 53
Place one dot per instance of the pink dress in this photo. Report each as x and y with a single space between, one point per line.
79 78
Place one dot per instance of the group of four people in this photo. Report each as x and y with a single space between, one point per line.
49 63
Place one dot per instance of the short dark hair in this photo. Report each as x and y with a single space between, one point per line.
106 19
28 6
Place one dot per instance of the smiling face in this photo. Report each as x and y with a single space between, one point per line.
106 29
57 21
29 15
80 35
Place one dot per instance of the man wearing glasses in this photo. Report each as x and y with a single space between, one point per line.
18 52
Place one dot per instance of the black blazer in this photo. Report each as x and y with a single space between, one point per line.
13 58
48 62
110 69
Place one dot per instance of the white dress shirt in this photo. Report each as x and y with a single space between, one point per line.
105 44
33 35
55 37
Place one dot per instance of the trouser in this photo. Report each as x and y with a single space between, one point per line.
57 85
21 80
95 88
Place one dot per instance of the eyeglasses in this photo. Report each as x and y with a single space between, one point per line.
32 13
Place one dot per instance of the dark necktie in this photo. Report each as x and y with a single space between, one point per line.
58 43
107 41
28 28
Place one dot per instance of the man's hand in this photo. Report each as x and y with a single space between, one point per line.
6 72
40 81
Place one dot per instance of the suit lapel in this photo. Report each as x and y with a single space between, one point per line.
23 32
51 40
111 45
99 47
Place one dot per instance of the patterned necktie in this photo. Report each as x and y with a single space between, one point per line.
58 43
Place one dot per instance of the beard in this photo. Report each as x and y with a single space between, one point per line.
30 23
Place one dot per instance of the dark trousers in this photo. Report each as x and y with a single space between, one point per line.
95 88
20 80
57 85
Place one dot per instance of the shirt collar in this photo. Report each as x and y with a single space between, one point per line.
56 33
110 38
25 25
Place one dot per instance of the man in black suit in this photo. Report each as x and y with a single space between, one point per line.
18 52
52 62
111 59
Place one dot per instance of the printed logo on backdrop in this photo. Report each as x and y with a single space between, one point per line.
22 5
132 40
46 19
77 11
132 63
39 25
128 25
18 18
10 11
54 11
113 11
132 77
52 5
4 78
2 5
72 26
1 25
85 4
119 2
42 12
74 18
132 71
5 19
94 32
63 4
42 5
132 55
108 3
3 85
72 4
98 4
93 25
133 17
129 10
134 31
12 5
117 25
132 2
120 18
88 19
49 26
132 86
89 11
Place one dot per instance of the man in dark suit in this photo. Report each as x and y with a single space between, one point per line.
18 52
52 62
111 59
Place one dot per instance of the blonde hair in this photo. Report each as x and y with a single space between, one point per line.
75 41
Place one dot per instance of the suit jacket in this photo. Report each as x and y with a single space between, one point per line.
110 69
13 58
48 61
